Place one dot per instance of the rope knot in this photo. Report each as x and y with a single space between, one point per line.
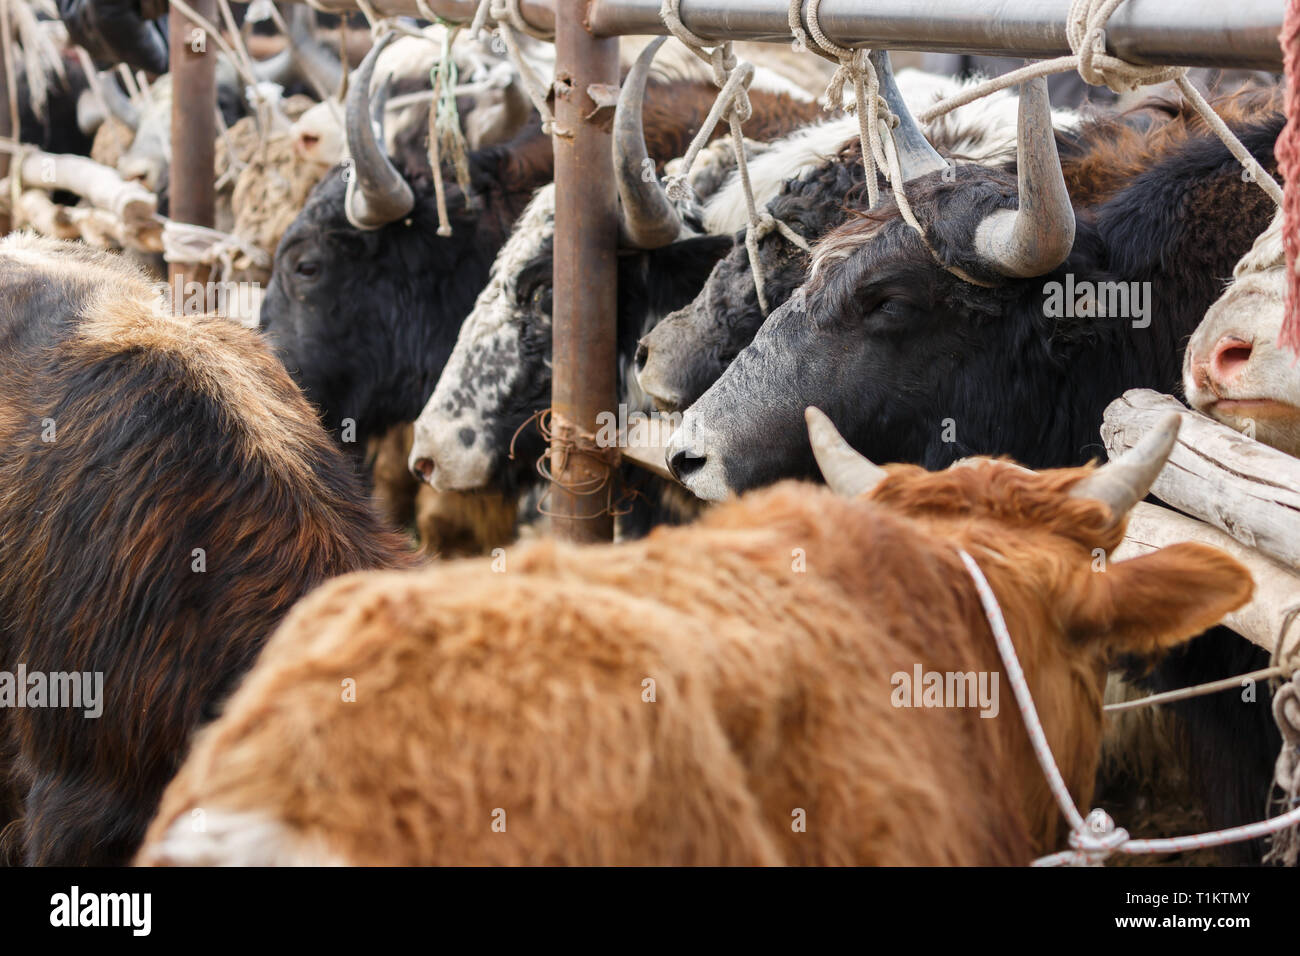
1085 31
1098 838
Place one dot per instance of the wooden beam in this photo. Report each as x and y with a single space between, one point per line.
1241 486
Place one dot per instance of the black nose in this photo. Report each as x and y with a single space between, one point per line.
685 463
642 355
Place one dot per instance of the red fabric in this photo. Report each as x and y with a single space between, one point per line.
1288 156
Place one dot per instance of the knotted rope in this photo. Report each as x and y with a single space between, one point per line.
875 120
444 129
1095 838
733 78
1086 34
188 243
564 440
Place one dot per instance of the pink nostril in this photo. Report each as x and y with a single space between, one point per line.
1230 356
424 469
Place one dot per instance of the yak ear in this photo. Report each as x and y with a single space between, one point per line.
1149 604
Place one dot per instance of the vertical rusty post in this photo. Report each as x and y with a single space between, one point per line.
586 243
6 122
194 130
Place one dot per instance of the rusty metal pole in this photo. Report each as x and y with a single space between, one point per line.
586 270
192 187
6 121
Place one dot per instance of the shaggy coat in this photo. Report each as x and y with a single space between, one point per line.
719 694
165 495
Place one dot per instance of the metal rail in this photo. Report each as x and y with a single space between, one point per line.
1241 34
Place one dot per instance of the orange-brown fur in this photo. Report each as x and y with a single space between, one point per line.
520 689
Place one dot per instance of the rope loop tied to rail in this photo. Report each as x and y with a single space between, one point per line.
733 78
1086 33
505 17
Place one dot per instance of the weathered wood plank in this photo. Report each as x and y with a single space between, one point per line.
1243 487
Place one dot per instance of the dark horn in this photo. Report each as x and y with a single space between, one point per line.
377 193
916 157
647 218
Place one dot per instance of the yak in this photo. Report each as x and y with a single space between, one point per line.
471 433
823 182
166 494
366 298
982 337
748 713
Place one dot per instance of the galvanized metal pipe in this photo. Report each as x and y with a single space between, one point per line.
192 187
1239 34
586 270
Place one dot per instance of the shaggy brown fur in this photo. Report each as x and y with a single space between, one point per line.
520 695
169 435
1112 150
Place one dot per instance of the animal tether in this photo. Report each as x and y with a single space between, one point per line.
1086 24
1096 837
732 77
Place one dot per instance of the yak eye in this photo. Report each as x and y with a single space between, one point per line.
541 298
307 269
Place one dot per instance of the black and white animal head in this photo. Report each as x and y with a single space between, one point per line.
499 374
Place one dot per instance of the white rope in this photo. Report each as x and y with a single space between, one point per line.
505 18
1086 34
733 78
1093 839
444 129
188 243
875 120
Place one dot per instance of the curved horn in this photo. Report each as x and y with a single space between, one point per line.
316 62
377 193
1125 481
647 219
116 101
1036 238
916 157
847 473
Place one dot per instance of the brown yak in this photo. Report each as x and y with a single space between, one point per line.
726 693
166 494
